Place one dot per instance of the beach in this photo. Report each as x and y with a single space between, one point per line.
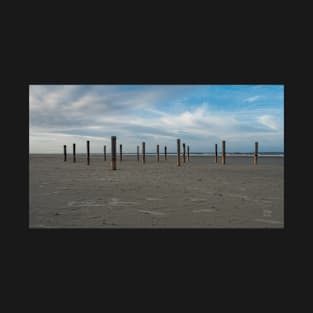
198 194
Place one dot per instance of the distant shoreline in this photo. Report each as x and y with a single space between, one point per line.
195 154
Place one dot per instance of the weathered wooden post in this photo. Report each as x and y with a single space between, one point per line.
158 153
165 153
256 148
188 153
138 153
223 152
121 155
105 152
143 152
65 153
184 152
74 152
216 153
88 152
113 152
178 152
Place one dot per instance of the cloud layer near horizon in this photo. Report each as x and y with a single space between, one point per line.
201 115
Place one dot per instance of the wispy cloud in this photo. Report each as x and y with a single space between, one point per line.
252 99
268 121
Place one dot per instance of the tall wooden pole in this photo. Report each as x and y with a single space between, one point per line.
216 153
113 152
165 153
256 148
143 152
158 153
188 153
104 152
178 152
64 153
121 155
184 152
138 153
88 152
74 152
223 152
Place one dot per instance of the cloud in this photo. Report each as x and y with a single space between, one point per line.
83 105
268 121
76 113
252 99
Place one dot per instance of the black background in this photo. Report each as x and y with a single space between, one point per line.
241 268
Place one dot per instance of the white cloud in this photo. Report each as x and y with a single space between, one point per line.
252 99
49 97
268 121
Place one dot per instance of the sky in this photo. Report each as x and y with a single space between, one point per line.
200 115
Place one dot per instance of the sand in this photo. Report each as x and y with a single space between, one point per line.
199 194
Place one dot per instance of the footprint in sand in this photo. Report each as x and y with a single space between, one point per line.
218 194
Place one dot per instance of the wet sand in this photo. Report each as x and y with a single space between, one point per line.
199 194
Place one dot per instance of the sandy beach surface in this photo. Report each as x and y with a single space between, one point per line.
199 194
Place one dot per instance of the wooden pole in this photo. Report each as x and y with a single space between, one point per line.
188 153
143 152
178 152
113 152
158 153
223 152
105 152
138 153
121 155
184 152
65 153
165 153
88 152
216 153
74 152
256 148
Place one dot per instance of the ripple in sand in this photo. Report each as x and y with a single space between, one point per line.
243 197
198 199
96 216
151 212
116 202
84 203
50 193
152 199
267 221
265 201
203 210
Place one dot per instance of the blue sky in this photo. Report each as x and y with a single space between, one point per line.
200 115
